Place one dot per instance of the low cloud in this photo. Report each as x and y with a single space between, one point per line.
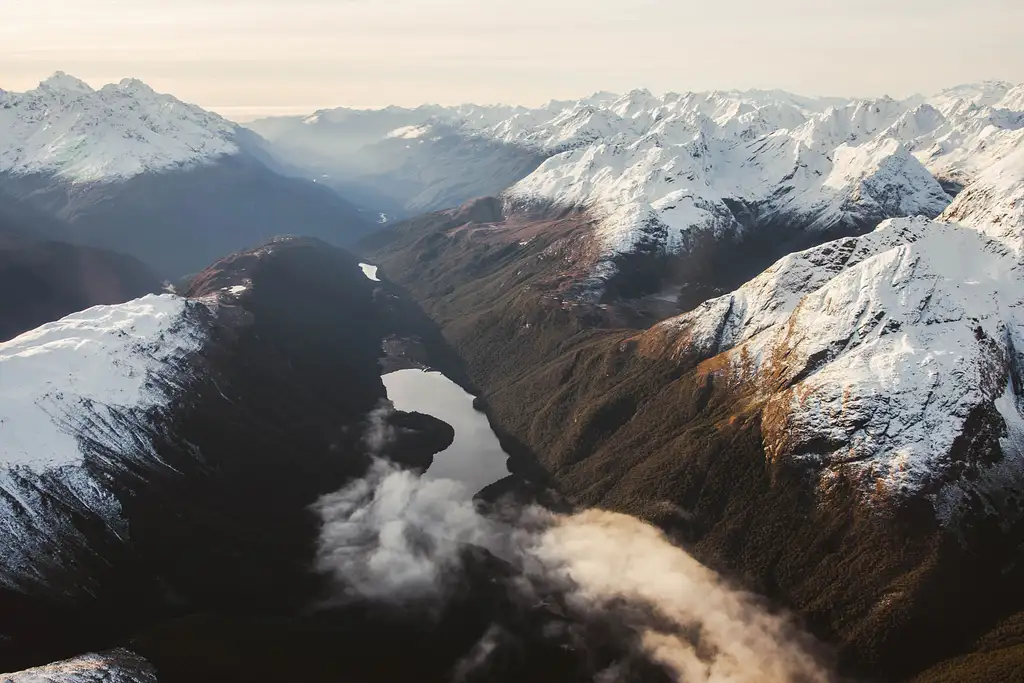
398 538
393 535
705 631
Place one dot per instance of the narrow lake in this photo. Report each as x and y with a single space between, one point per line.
475 458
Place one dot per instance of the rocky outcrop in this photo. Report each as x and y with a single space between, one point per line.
115 666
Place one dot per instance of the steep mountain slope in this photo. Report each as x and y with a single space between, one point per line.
843 431
890 360
994 202
131 170
158 456
48 280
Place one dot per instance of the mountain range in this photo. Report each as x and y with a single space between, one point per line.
780 329
129 169
671 174
813 382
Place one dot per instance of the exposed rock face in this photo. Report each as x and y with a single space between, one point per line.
115 666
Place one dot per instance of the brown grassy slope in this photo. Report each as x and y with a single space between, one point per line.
668 441
997 656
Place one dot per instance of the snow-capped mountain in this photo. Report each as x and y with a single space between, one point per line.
893 359
663 173
682 163
129 169
67 129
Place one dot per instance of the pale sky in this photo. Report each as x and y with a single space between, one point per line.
251 57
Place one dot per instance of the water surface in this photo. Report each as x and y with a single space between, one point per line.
475 458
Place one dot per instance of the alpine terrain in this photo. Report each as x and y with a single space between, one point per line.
843 430
135 171
751 362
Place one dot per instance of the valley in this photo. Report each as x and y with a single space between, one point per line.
684 387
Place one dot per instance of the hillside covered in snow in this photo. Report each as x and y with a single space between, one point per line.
66 128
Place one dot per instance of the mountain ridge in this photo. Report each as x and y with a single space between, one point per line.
131 170
665 173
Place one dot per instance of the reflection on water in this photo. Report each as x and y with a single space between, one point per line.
475 458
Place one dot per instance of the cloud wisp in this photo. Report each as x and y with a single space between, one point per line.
395 538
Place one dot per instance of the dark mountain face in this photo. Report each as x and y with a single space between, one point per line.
46 280
214 489
482 633
623 421
178 222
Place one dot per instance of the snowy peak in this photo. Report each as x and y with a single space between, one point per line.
983 94
114 351
67 129
873 356
60 81
850 123
681 167
133 86
915 123
881 178
891 360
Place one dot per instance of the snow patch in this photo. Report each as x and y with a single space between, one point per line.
409 132
95 360
369 271
116 666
